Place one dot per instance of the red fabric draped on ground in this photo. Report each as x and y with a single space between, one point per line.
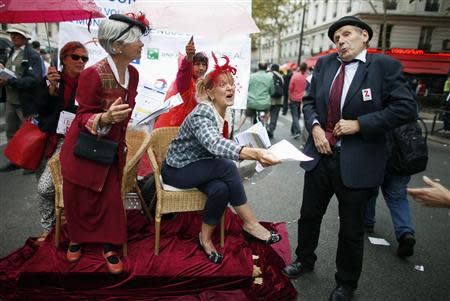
180 272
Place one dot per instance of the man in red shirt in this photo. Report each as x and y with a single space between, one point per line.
297 88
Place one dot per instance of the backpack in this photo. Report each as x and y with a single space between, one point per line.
279 87
409 151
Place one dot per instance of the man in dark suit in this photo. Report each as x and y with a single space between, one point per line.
355 99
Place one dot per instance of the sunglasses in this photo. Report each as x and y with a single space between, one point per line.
76 57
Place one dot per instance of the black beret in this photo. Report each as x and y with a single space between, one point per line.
123 18
349 20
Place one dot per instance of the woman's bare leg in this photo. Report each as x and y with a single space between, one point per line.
205 238
251 224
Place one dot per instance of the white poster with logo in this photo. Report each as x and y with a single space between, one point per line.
158 64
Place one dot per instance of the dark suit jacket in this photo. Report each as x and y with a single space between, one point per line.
364 154
28 82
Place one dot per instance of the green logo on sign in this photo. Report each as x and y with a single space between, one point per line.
153 53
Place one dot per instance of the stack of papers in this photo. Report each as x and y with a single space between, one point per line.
254 136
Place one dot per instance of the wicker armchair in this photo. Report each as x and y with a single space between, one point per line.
137 144
170 199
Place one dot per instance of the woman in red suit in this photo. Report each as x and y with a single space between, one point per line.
106 95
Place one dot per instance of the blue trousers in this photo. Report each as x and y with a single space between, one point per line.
218 178
394 193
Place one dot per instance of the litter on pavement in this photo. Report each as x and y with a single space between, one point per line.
379 241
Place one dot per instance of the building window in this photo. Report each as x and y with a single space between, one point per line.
446 45
317 13
425 38
432 5
349 5
388 36
391 4
335 8
325 10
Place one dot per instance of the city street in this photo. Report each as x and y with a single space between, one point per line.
275 195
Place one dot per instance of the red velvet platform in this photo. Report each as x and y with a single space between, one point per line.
180 272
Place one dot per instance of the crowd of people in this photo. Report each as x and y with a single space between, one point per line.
350 103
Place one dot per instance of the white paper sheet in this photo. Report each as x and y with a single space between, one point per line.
166 106
64 122
379 241
286 151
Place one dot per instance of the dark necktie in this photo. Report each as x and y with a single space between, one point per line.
334 104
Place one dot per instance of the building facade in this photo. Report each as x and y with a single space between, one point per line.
423 25
38 33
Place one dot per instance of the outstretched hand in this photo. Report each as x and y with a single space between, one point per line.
267 158
435 195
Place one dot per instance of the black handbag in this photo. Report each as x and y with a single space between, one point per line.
92 148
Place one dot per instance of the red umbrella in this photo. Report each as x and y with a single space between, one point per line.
37 11
45 11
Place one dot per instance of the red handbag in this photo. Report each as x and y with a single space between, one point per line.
27 146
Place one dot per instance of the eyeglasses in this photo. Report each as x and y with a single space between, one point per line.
76 57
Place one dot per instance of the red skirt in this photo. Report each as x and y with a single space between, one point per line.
96 217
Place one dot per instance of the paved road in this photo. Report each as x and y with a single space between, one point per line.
275 195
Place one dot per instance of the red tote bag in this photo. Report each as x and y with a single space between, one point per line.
27 146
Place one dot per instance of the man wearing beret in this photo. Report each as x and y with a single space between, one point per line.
355 99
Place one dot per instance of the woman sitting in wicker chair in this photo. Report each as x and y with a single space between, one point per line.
202 149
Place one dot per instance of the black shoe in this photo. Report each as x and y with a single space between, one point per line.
406 245
368 229
214 257
8 167
273 238
296 269
341 293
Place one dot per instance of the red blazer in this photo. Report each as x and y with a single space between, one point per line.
97 90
